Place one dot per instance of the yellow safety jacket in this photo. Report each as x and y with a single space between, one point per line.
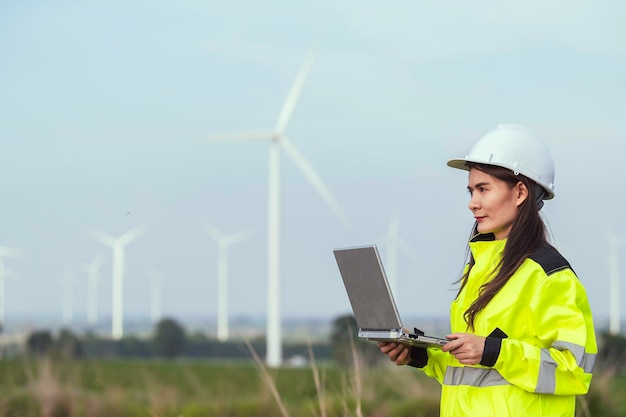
540 347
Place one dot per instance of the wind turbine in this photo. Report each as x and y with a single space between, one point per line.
393 242
615 242
117 245
156 278
278 140
68 295
6 252
223 242
92 269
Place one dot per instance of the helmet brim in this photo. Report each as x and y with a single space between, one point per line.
459 164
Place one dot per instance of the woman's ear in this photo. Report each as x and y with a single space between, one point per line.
522 193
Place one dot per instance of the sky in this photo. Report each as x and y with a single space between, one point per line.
107 108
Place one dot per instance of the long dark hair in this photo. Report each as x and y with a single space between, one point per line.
527 234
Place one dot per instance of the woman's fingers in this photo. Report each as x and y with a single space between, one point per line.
397 352
466 348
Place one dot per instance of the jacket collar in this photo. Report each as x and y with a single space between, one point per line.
485 247
480 237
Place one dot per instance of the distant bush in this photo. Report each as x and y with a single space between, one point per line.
68 345
345 344
39 342
169 338
612 352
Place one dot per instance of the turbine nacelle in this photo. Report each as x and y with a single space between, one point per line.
118 242
226 240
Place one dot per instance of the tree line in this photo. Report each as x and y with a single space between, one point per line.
170 340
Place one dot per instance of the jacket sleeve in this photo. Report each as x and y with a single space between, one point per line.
433 361
560 359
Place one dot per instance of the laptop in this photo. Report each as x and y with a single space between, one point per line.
372 301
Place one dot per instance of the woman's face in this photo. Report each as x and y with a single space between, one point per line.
494 203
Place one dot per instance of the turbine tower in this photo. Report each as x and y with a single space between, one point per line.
117 245
93 276
615 242
394 242
6 252
278 140
223 242
156 278
68 295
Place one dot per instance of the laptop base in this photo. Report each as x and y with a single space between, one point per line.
398 336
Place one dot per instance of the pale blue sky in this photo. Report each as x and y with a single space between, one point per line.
104 106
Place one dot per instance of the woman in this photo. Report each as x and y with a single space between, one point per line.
522 342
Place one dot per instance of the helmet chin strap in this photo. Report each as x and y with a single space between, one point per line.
540 193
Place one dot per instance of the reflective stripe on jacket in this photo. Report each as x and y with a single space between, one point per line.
548 344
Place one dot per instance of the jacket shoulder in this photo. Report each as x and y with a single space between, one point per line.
550 259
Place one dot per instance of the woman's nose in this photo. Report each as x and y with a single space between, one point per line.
473 203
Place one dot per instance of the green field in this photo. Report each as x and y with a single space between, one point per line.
98 388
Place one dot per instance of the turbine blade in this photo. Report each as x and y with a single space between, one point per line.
97 261
613 237
294 93
131 235
394 227
102 237
9 252
213 232
235 238
407 249
314 179
244 135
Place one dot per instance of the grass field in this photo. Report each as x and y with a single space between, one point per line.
77 388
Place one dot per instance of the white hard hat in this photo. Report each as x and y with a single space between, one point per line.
517 148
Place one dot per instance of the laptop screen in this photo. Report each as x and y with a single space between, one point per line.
367 287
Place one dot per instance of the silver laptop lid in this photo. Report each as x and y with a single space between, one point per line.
367 287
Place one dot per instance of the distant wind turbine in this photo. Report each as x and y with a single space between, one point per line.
156 278
223 242
615 242
117 245
92 269
393 242
278 140
68 295
6 252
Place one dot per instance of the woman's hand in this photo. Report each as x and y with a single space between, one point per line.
398 353
466 348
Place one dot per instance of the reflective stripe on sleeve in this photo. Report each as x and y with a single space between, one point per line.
546 384
475 377
589 362
583 359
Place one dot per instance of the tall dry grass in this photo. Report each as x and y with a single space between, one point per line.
45 388
319 382
50 394
268 380
362 384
